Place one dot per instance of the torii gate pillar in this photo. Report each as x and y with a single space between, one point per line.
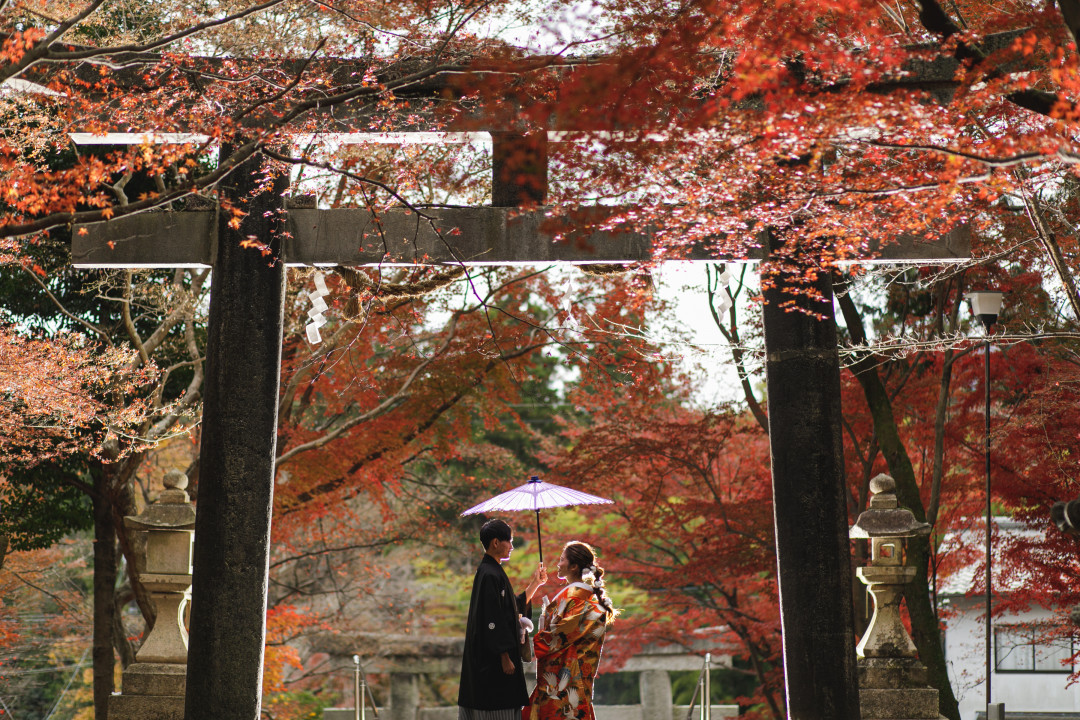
810 514
236 456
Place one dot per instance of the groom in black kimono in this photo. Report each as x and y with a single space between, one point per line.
492 678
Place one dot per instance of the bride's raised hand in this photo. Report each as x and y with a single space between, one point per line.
539 577
541 573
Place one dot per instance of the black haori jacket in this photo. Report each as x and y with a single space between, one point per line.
492 630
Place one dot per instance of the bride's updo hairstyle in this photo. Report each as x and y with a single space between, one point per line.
580 554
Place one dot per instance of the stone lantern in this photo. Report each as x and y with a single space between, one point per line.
892 680
154 685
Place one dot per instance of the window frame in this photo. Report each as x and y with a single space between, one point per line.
1032 631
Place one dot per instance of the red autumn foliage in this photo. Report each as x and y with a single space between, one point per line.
62 396
691 527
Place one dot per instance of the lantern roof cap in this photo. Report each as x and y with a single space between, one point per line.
885 517
172 510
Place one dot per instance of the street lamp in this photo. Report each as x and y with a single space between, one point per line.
986 306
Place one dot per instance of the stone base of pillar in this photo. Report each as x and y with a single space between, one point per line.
655 689
404 696
896 689
150 691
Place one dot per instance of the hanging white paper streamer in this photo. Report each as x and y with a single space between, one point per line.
318 307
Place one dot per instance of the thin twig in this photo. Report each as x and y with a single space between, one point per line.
63 310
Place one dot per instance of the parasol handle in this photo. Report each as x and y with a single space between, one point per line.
539 540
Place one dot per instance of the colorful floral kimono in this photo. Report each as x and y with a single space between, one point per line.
568 642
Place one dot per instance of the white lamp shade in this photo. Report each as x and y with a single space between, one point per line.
985 303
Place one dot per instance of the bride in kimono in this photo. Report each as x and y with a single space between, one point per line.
569 639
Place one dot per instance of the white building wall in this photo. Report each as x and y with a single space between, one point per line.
965 654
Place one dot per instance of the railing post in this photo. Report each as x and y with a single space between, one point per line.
358 691
706 698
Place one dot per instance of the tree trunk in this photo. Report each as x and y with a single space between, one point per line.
104 594
3 549
925 629
123 646
123 503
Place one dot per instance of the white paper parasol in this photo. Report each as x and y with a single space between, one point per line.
536 495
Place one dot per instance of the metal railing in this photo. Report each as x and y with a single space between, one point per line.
703 688
362 690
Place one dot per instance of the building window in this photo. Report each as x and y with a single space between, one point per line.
1025 648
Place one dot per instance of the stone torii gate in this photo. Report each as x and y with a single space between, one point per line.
240 407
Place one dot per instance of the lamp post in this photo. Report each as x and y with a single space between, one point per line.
986 306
